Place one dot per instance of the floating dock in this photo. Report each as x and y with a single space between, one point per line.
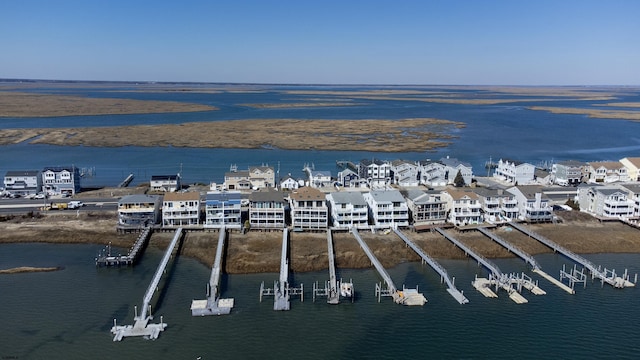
281 290
213 305
496 277
333 288
107 259
141 327
605 276
536 268
453 291
404 297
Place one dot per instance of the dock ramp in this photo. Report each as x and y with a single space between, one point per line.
213 305
141 327
281 290
444 276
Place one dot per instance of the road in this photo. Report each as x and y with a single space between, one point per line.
21 205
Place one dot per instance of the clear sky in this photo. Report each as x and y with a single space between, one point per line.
510 42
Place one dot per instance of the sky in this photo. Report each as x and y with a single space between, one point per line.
447 42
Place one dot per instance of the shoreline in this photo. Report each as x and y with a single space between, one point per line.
259 252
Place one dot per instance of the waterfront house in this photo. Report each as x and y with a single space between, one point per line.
57 180
498 206
632 164
223 208
289 183
309 209
453 166
348 178
533 204
388 208
348 210
426 208
256 178
266 209
180 209
464 207
319 179
432 173
606 201
404 173
542 177
568 173
607 172
22 182
375 172
165 183
136 211
237 181
634 194
515 172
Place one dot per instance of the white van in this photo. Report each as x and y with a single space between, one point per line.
75 204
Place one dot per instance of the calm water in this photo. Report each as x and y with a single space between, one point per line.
67 314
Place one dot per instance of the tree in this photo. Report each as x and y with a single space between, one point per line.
459 180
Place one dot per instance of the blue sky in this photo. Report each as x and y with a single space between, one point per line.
559 42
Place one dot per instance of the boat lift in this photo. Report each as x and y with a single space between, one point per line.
213 305
333 288
141 327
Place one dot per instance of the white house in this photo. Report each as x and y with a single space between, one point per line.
515 172
607 172
568 173
223 208
432 173
165 183
289 183
23 183
375 172
533 204
405 173
634 194
319 179
453 166
464 207
426 208
498 206
58 180
348 209
607 202
388 208
309 209
180 209
348 178
257 177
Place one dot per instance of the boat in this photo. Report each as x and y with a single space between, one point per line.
346 289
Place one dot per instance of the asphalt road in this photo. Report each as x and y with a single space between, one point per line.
21 205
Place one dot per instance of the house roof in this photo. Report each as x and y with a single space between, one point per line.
321 173
346 172
70 169
164 177
635 161
367 162
608 191
572 163
223 195
261 168
634 188
237 174
307 193
611 165
403 162
541 173
530 191
420 197
22 173
386 196
348 197
267 195
139 198
459 194
178 196
514 162
453 162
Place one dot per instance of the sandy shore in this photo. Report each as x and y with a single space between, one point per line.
28 269
258 252
592 113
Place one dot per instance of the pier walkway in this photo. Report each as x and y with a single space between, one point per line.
281 290
606 276
141 327
496 277
404 297
213 305
106 259
453 291
333 288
